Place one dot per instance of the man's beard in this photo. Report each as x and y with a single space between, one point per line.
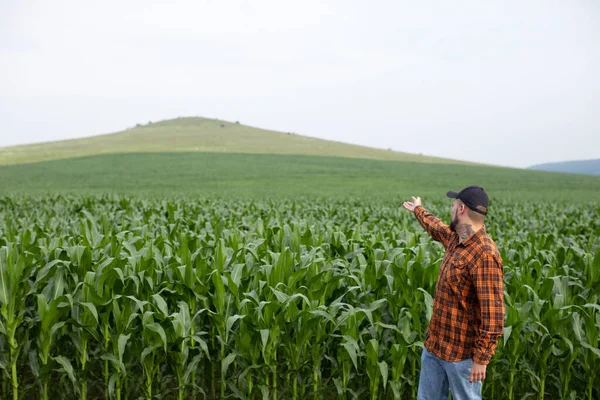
453 224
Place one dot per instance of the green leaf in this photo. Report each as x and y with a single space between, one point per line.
42 306
428 303
59 283
266 395
42 273
351 349
122 342
264 336
56 327
68 368
131 318
231 320
577 328
596 263
139 303
281 297
388 326
161 304
219 292
4 286
594 350
299 296
192 366
372 348
202 343
506 334
147 351
155 327
92 308
111 386
116 363
592 305
34 363
226 362
236 273
383 368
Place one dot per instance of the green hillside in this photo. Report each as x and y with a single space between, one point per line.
200 135
291 176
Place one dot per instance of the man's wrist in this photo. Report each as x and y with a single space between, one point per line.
481 358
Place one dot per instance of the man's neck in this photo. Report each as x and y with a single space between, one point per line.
466 230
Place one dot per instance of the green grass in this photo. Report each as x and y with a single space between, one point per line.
200 135
285 176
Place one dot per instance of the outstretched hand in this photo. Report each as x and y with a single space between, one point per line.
410 206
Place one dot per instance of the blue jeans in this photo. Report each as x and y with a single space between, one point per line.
437 376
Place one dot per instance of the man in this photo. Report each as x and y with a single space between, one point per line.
468 306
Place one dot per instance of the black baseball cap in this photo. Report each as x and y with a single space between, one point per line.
474 197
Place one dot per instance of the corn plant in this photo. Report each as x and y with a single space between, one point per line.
15 268
109 296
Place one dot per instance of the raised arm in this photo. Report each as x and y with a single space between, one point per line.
434 226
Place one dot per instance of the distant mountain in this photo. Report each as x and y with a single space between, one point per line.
588 167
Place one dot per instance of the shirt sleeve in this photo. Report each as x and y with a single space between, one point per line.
434 226
487 277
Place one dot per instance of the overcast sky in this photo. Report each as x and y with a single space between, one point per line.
504 82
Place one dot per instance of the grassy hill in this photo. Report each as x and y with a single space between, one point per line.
204 157
200 135
291 176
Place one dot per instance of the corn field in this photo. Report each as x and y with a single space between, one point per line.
108 297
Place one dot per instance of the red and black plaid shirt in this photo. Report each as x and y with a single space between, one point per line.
468 306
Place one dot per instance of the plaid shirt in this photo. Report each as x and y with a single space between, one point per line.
468 306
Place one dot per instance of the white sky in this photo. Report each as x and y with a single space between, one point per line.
504 82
